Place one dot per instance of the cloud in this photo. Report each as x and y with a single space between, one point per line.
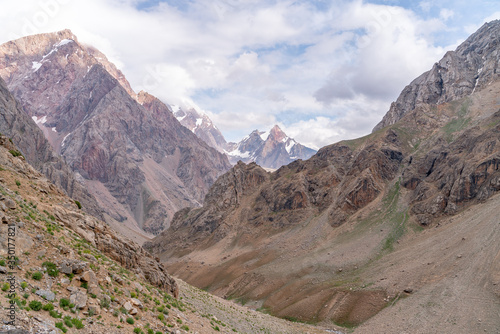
328 68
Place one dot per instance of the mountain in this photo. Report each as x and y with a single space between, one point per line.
73 273
137 160
17 125
201 125
398 227
271 149
472 66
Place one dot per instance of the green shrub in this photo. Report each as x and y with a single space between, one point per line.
55 314
5 286
37 275
2 262
51 268
161 317
78 323
60 325
24 285
48 307
64 302
35 305
18 183
15 153
26 295
67 321
184 327
78 204
130 320
137 330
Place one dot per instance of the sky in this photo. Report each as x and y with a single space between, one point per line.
323 70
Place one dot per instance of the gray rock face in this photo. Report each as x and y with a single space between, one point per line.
79 299
16 124
48 295
136 158
461 72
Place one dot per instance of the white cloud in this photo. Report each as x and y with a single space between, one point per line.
446 14
336 69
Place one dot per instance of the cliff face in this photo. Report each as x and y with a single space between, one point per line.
133 155
17 125
472 66
306 240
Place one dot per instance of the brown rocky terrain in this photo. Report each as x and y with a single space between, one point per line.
74 274
386 229
132 154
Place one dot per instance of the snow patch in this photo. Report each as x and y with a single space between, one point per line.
290 145
64 139
264 135
477 79
238 153
40 120
199 121
36 66
54 129
63 42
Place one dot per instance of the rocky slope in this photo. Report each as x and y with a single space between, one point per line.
472 66
72 273
271 149
17 125
136 159
345 235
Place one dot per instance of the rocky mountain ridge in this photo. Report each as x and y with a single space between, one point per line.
271 149
136 159
472 66
317 239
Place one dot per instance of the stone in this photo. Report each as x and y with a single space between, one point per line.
133 311
46 294
10 204
65 268
136 302
90 277
138 286
128 306
79 299
3 270
94 289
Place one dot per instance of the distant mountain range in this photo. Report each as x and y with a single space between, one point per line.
270 149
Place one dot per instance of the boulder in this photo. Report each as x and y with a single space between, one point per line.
79 299
48 295
136 302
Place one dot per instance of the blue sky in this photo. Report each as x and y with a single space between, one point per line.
323 70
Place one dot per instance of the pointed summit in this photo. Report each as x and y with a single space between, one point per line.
277 134
270 149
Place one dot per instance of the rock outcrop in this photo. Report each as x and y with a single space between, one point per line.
472 66
17 125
